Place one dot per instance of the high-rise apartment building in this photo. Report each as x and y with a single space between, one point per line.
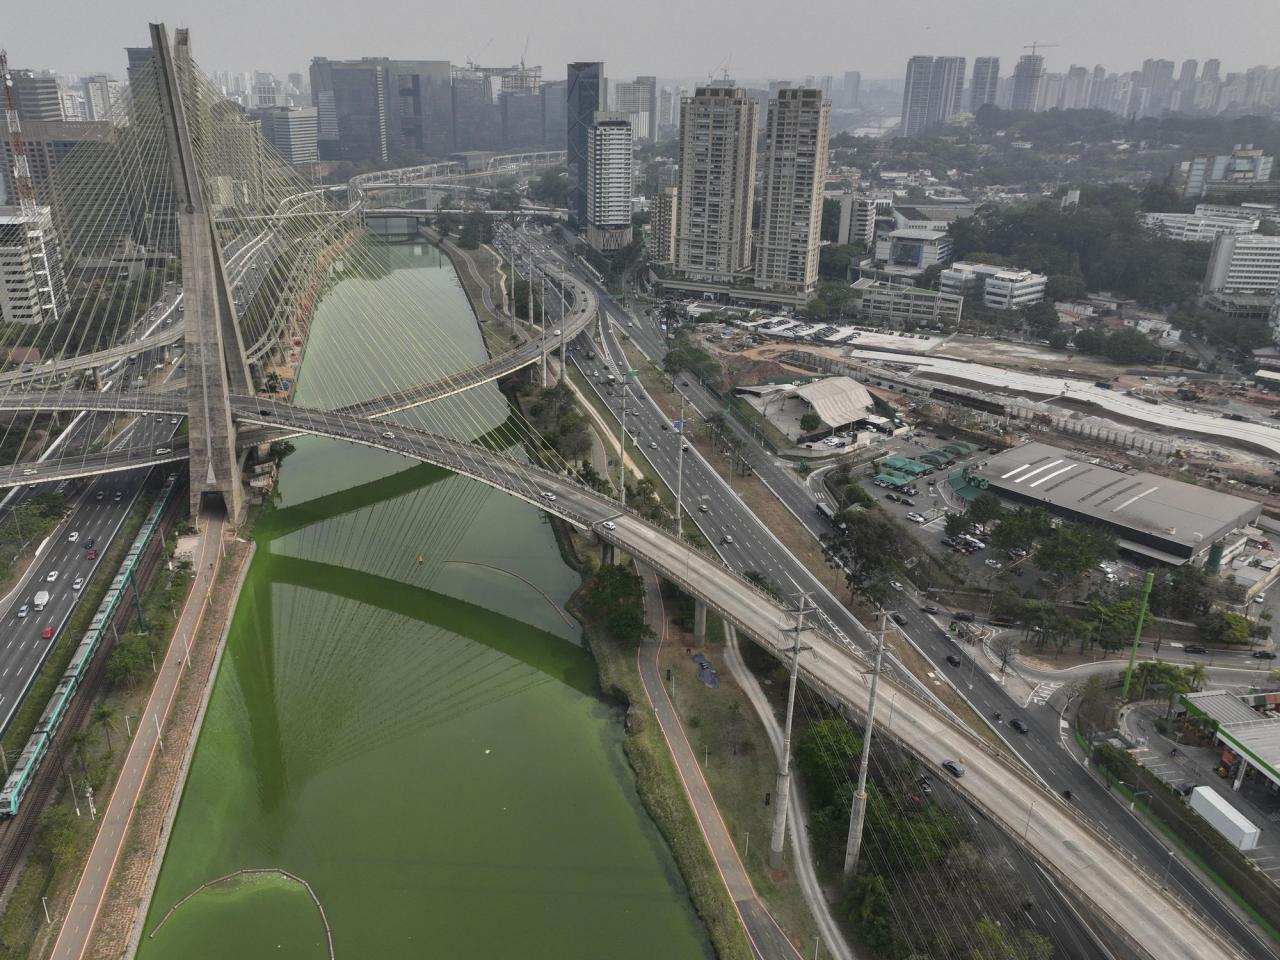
1028 77
1075 88
932 92
1244 264
37 94
31 283
717 183
1211 70
587 95
662 225
795 167
986 82
651 85
293 131
609 180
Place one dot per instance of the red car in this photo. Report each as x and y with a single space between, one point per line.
92 554
47 634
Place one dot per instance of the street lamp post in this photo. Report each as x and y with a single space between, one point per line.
1027 829
680 473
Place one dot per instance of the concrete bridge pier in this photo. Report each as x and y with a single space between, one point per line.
699 622
608 555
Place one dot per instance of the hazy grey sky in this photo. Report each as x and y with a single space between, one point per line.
674 38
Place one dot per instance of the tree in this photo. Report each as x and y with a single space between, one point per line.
810 422
57 837
1072 549
826 755
956 524
984 508
1041 319
870 547
1223 629
103 715
995 942
616 594
1019 529
129 661
1005 646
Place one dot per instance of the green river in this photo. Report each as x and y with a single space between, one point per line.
404 718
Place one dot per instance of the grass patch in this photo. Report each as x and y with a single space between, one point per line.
28 524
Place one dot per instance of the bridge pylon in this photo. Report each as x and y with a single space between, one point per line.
216 364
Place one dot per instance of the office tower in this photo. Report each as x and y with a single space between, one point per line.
986 81
662 225
376 110
297 82
852 87
609 141
1028 76
100 94
1157 79
636 100
521 112
554 95
38 96
666 103
292 131
795 167
477 119
587 95
138 58
1210 71
717 183
931 94
32 289
651 84
73 106
1244 264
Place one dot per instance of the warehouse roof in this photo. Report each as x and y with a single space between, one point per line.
837 400
1168 509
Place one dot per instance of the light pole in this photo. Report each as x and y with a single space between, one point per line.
1164 881
1027 829
622 448
782 792
680 472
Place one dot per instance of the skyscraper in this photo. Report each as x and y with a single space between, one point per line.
38 96
31 282
1028 76
651 84
662 225
852 87
587 95
292 131
609 181
717 183
1211 69
986 80
795 167
100 95
138 58
636 100
931 93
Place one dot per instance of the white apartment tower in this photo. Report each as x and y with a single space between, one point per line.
609 182
1244 264
31 283
717 183
795 169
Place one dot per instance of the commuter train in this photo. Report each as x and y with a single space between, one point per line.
24 771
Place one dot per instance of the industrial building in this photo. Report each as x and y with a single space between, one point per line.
1155 517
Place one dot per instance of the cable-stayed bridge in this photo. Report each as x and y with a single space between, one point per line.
186 186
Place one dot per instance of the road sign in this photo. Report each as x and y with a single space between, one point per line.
631 373
679 425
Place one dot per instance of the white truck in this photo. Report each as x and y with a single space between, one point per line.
40 599
1225 818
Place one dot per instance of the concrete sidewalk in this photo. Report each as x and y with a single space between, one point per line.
768 942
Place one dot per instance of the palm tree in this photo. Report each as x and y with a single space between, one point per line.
104 715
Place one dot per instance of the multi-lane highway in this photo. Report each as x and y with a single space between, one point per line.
754 547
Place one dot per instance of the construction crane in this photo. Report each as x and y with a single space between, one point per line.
17 145
1034 44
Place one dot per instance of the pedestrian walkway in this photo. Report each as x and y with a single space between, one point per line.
77 926
768 942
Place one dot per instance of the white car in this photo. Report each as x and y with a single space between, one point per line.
22 612
548 495
609 525
388 435
161 451
915 517
173 419
52 576
895 584
77 584
73 536
993 564
653 445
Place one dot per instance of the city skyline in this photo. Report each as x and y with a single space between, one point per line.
283 40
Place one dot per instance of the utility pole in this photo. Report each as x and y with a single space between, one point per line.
680 473
1137 634
544 330
782 790
622 448
859 812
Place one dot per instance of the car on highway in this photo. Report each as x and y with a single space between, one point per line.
23 611
727 538
77 583
1195 648
1264 655
101 495
898 618
954 660
388 435
548 496
73 536
609 525
161 451
118 497
1018 724
46 633
52 576
703 508
653 444
953 767
173 419
89 542
929 608
91 555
